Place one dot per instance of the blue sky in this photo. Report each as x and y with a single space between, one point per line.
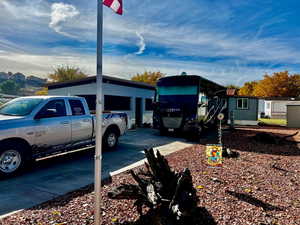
228 41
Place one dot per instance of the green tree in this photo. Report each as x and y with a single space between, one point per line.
66 73
9 87
148 77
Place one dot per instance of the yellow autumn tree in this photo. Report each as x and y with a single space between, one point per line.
248 88
43 91
280 84
148 77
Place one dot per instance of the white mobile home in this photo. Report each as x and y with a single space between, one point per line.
276 107
133 98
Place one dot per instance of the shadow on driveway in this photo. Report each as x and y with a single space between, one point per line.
48 179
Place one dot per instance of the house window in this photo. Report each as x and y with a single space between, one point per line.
148 104
242 103
112 102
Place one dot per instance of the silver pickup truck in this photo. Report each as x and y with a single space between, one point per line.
33 127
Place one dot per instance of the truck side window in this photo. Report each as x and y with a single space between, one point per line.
77 107
55 108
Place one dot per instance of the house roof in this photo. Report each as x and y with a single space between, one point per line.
282 99
106 79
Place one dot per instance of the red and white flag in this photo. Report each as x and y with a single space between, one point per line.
115 5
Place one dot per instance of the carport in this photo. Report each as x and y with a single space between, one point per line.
293 115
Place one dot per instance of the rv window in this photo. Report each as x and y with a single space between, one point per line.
178 90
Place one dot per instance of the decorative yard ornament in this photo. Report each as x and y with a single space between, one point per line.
214 151
214 155
221 116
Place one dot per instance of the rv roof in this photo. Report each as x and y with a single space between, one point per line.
205 85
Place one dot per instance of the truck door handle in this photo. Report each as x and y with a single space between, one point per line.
64 122
86 120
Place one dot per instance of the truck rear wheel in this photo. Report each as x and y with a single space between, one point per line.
110 139
12 159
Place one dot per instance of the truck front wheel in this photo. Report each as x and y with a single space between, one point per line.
12 159
110 139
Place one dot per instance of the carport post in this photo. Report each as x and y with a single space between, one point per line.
98 151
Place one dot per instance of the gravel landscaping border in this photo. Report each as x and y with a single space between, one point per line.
261 187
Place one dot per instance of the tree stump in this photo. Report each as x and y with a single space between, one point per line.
169 195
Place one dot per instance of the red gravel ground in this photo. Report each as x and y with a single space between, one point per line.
261 187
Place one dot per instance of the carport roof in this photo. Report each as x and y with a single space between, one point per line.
106 79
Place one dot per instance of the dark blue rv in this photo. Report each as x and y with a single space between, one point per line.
187 103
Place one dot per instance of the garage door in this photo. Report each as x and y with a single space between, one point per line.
293 116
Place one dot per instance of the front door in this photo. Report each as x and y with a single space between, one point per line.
138 112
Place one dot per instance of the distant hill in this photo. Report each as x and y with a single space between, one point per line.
28 84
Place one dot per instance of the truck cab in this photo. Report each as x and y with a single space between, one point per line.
34 127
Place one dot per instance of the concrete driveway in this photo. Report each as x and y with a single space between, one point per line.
56 176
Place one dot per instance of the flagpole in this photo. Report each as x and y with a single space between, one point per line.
98 151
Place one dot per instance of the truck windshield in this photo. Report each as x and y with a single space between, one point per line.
20 106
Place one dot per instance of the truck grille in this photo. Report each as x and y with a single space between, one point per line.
172 122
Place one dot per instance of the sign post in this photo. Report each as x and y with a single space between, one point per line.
220 118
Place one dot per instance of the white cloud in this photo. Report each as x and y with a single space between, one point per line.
6 45
27 9
141 44
41 65
190 40
60 14
206 31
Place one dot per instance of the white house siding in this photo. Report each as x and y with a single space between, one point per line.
116 90
277 109
261 107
